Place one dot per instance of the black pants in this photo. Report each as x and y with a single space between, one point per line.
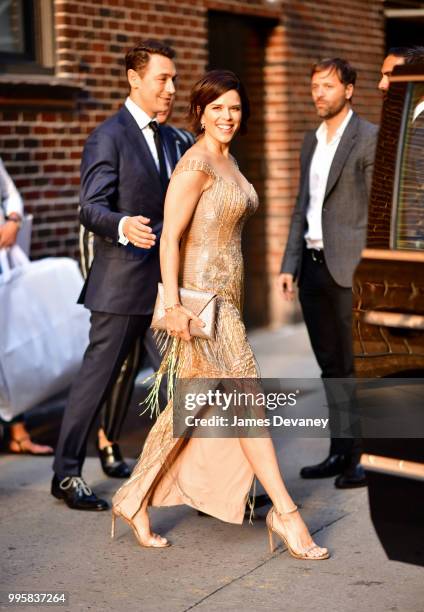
327 311
112 337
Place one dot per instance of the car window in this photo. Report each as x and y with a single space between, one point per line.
409 213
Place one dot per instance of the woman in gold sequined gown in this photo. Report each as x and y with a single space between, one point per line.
207 203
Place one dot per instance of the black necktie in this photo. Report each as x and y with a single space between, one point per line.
163 174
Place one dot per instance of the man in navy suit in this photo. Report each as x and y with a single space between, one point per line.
125 169
115 408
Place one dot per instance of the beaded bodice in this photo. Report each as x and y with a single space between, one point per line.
211 256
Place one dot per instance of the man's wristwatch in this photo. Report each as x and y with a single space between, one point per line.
15 218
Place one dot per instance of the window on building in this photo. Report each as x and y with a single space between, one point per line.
409 213
26 36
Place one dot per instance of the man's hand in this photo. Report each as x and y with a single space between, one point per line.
8 234
285 286
138 232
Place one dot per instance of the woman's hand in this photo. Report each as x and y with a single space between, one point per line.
177 322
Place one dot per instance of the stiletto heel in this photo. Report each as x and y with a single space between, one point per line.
112 531
149 542
271 540
307 554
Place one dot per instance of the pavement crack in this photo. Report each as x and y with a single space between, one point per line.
367 583
253 569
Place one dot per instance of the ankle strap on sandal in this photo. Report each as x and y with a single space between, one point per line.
287 512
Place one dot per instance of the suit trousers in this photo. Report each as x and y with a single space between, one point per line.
116 406
112 337
327 311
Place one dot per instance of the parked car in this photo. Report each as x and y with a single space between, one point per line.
388 327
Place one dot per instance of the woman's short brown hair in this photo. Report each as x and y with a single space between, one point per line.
209 88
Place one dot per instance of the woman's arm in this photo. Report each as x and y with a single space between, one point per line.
181 200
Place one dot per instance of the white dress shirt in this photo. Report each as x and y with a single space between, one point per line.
10 200
318 176
418 110
142 119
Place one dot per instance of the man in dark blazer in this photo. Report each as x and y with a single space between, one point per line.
115 408
327 235
125 170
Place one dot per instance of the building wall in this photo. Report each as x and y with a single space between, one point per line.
41 139
311 30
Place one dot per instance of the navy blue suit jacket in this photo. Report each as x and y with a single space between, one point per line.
119 177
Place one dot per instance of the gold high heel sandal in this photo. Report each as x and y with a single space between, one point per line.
152 541
297 555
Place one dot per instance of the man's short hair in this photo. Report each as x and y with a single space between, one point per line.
415 55
138 57
398 51
345 72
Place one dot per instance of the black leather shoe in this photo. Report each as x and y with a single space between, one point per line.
76 494
260 501
351 479
333 465
113 463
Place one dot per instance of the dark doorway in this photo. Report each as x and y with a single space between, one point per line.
404 23
238 43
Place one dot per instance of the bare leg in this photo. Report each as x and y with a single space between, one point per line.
260 453
103 441
141 522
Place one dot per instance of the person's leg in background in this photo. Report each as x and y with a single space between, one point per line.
327 311
115 408
113 413
19 439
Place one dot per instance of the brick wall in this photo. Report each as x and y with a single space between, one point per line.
311 30
41 141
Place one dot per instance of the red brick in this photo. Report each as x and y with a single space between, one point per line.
91 39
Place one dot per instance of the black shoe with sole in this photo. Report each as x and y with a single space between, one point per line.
333 465
113 464
351 479
76 494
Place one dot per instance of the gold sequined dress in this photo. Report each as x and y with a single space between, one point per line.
210 474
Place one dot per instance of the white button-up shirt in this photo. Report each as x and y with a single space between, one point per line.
418 110
318 176
10 200
142 119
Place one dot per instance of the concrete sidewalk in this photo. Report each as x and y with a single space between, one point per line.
212 565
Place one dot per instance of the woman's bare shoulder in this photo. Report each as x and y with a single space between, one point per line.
195 159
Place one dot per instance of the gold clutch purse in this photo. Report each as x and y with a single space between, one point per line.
201 303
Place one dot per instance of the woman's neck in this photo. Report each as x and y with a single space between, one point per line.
215 147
